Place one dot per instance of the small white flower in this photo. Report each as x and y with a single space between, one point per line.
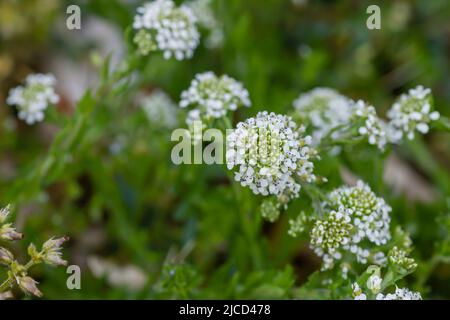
160 109
324 109
212 96
374 283
165 27
357 292
411 112
400 294
329 235
373 127
368 216
34 97
270 151
362 296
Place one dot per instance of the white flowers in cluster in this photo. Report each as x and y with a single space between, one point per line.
329 235
370 213
212 96
400 294
399 258
411 112
207 20
373 127
298 225
163 26
270 210
375 282
270 151
160 109
34 97
325 109
368 216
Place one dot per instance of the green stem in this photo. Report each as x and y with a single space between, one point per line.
250 227
8 282
428 269
442 124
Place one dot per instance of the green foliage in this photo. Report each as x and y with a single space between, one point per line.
190 229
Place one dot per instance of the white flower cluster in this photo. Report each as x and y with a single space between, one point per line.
213 96
206 19
163 26
374 128
34 97
325 109
400 294
270 150
298 225
270 210
368 216
411 112
160 109
329 235
400 259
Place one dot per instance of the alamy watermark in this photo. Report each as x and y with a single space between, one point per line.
73 21
211 146
374 20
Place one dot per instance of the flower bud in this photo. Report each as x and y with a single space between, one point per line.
28 285
269 210
51 251
374 283
6 257
4 213
9 233
33 253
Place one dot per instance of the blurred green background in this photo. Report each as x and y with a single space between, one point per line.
142 227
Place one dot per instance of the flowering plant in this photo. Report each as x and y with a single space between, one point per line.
315 164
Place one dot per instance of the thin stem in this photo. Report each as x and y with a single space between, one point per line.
6 284
248 226
442 124
428 269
